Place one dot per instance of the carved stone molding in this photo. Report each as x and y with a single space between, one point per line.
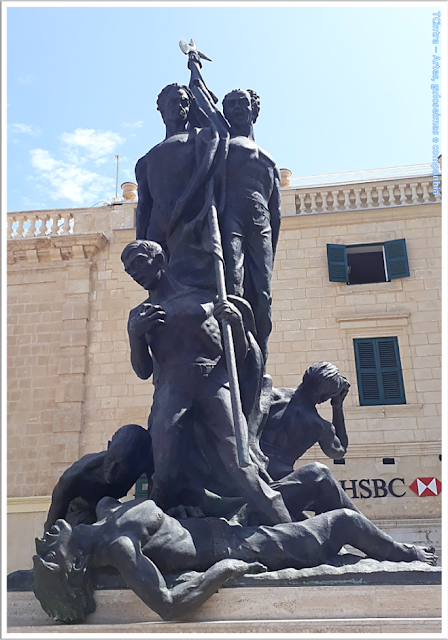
371 320
291 221
50 250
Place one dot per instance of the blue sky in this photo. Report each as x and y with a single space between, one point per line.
342 87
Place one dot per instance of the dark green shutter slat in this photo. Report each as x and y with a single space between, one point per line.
378 371
337 263
366 372
391 385
366 355
369 383
396 259
386 350
392 380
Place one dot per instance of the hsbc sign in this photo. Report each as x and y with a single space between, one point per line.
379 488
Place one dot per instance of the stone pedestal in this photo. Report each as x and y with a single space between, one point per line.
352 595
348 595
326 609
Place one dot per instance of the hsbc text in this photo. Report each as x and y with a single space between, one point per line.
374 488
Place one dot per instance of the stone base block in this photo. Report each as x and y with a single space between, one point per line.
327 609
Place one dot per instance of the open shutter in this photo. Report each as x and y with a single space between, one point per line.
367 372
396 259
378 371
337 263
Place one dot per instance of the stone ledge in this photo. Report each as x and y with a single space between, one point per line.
47 251
28 504
368 320
298 221
319 604
373 626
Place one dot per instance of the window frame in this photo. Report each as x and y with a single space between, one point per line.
382 374
396 263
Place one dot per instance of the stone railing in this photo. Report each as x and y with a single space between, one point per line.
63 222
361 196
295 200
39 224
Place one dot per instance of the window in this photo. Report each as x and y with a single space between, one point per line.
364 263
378 371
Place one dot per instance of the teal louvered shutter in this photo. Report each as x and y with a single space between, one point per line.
337 263
390 367
367 372
141 487
396 259
378 371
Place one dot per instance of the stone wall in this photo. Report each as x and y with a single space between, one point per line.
114 394
315 319
49 282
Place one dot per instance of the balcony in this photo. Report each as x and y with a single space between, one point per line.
54 223
359 190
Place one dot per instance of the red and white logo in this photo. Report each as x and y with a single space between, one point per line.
426 487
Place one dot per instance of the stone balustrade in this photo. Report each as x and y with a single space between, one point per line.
317 198
66 222
361 196
40 224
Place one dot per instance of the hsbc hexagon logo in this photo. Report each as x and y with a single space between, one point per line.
426 487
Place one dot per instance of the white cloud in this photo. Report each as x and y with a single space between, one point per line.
70 180
30 129
96 145
75 177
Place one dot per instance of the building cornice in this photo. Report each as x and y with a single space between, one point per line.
349 217
52 250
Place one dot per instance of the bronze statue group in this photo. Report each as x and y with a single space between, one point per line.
221 501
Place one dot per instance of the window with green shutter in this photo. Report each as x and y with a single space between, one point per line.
337 262
378 371
366 263
396 258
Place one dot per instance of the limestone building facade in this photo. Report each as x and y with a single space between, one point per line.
357 282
